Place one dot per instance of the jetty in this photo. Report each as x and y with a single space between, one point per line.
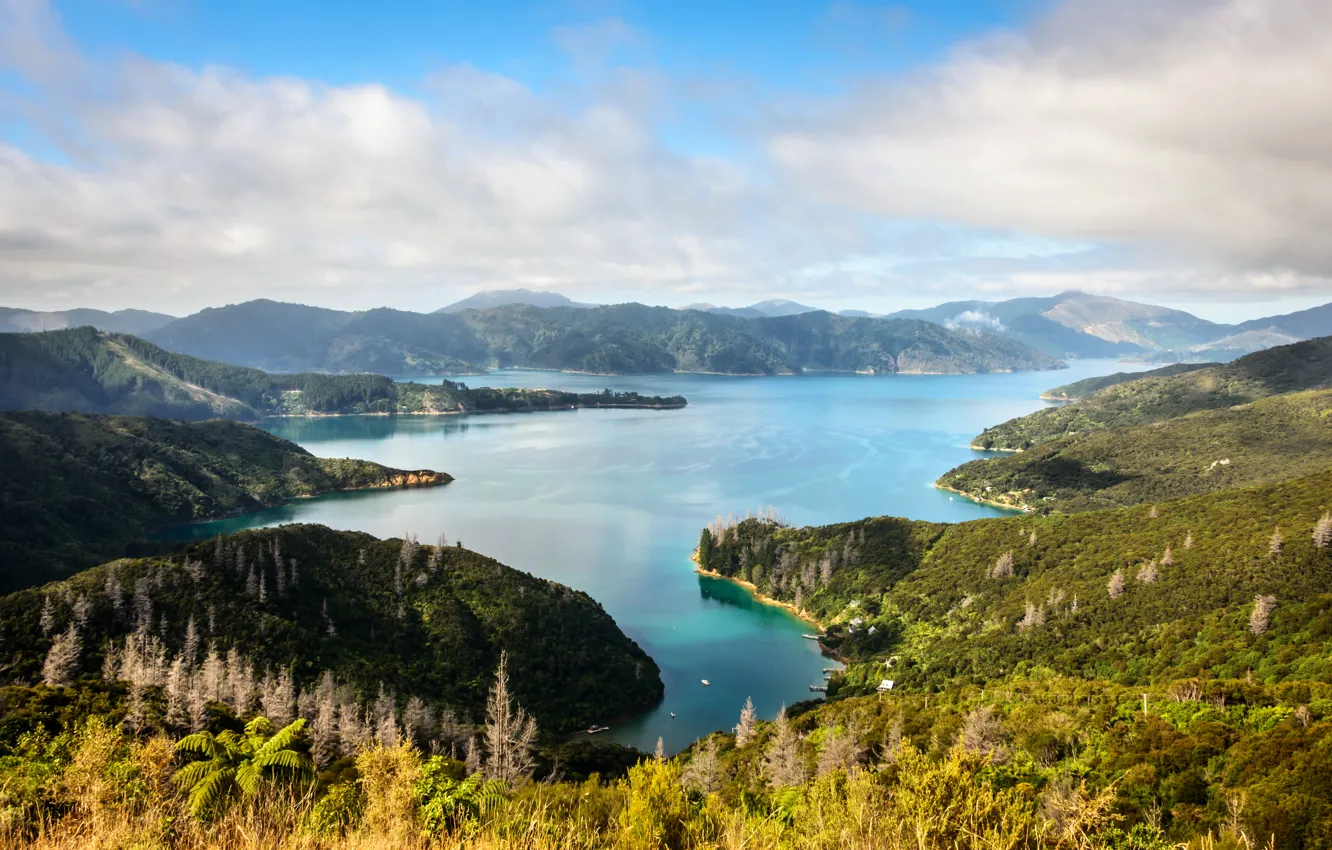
592 730
819 689
810 637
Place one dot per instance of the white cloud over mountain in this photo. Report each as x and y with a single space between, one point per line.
1197 135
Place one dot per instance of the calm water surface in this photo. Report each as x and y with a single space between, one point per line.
612 501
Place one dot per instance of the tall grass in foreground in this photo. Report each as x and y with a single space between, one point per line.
114 792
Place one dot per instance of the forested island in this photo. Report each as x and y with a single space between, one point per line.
88 371
79 489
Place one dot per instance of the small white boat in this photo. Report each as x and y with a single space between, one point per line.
706 683
672 715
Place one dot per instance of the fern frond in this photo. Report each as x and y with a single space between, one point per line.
200 742
282 739
211 791
190 775
259 727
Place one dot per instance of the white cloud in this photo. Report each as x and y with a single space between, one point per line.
1195 132
1198 127
975 319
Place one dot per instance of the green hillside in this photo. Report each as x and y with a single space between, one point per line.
620 339
1290 368
78 489
1081 389
983 600
88 371
418 620
1272 439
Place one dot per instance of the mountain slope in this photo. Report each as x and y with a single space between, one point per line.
974 602
1291 368
78 489
1305 324
504 297
624 338
84 370
1081 389
121 321
1272 439
420 621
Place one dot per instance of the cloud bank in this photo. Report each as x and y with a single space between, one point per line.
1143 147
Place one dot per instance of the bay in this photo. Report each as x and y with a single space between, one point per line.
611 502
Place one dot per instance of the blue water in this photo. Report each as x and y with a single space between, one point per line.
611 501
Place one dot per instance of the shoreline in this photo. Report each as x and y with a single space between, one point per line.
1026 509
318 415
798 613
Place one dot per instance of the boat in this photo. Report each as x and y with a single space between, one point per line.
592 730
818 689
706 683
672 715
810 637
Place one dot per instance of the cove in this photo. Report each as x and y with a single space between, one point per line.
611 501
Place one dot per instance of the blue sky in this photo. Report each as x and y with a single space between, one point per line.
176 153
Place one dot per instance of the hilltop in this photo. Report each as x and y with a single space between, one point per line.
302 601
85 370
504 297
78 489
619 339
121 321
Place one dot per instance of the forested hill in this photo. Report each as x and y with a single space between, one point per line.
620 339
1081 389
1272 439
1134 595
85 370
1289 368
258 615
80 489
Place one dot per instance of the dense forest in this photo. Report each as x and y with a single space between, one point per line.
1213 609
1142 400
289 610
622 339
88 371
1272 439
79 489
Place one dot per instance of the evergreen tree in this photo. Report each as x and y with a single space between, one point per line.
748 725
510 734
783 762
62 660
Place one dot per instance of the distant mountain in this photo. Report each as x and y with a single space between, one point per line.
121 321
80 489
618 339
87 371
1305 324
505 297
857 314
772 308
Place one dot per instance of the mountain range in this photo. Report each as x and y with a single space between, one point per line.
618 339
492 329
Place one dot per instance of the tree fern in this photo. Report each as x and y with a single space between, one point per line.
245 762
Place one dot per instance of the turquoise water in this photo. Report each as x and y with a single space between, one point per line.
611 501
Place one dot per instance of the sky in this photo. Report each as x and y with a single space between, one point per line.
180 154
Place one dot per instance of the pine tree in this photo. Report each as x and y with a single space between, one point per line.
48 619
418 722
62 660
324 725
1115 586
1031 541
1260 619
841 750
1034 616
783 763
703 773
748 726
982 733
190 650
387 732
660 753
473 764
1148 574
1188 540
1003 566
178 692
510 733
1275 544
1167 557
1322 533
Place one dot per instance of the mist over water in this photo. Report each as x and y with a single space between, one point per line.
612 501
